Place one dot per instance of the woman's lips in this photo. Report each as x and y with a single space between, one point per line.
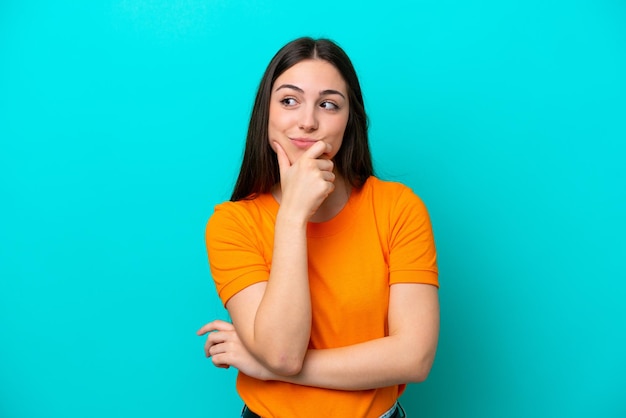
303 143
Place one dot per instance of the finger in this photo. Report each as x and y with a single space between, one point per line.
221 347
283 159
214 339
217 325
209 349
328 176
325 165
219 360
206 328
208 345
318 149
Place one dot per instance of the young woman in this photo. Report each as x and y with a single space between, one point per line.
328 273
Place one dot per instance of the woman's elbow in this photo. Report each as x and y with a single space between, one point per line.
285 365
419 375
281 358
420 369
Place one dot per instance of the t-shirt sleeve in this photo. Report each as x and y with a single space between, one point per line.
235 255
412 254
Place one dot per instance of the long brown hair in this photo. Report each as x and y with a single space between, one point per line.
259 168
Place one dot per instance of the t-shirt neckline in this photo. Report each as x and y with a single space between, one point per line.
343 220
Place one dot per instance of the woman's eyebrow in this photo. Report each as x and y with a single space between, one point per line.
327 92
299 90
290 86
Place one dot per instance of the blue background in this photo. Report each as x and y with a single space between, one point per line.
122 124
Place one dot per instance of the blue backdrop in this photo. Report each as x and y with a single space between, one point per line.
122 124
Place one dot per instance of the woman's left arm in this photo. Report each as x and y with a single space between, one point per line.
405 355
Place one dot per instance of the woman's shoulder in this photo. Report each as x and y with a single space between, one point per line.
230 208
392 199
251 204
389 190
245 211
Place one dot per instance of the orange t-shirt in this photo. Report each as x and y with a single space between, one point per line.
382 236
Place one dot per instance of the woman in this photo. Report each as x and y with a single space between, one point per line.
328 274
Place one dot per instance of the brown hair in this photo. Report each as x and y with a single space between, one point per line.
259 168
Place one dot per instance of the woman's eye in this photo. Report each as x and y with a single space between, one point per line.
289 101
329 106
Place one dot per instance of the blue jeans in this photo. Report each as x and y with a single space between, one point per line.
396 411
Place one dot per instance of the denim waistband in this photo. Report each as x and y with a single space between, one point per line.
390 413
396 411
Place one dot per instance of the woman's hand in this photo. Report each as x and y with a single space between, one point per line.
225 349
307 182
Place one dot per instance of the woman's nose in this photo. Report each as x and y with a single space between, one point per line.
308 119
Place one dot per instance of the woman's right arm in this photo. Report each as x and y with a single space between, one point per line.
405 355
273 318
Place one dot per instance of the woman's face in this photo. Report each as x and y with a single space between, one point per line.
309 102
